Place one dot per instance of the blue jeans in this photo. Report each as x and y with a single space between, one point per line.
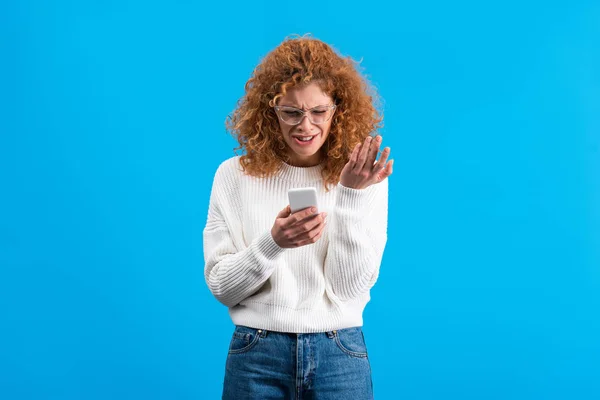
265 364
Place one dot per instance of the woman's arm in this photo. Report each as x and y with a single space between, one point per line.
233 273
357 238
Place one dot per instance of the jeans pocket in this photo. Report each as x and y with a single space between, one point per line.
243 339
351 341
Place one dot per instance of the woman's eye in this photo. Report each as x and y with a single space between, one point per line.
319 111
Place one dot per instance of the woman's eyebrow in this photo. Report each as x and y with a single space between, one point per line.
299 108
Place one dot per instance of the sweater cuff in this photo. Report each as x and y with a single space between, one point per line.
267 247
349 199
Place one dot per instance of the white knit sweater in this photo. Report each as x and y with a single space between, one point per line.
314 288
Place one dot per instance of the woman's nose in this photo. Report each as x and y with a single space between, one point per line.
305 124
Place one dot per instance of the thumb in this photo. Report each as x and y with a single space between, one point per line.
285 212
386 171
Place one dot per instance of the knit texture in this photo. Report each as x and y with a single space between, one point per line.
314 288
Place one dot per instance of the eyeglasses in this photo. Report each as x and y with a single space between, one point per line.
316 115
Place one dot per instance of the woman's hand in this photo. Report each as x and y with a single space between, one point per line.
361 170
298 229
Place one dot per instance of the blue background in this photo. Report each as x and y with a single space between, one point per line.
112 126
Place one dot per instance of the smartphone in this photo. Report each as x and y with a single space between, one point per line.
301 198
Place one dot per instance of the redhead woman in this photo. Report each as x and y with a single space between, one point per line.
296 284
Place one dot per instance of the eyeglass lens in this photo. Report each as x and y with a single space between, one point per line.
316 116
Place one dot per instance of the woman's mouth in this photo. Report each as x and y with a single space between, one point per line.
304 140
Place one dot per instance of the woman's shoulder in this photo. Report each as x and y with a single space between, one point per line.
229 168
226 179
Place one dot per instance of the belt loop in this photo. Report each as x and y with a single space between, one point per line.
262 333
330 334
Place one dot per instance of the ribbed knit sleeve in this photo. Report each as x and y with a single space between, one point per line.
234 272
357 238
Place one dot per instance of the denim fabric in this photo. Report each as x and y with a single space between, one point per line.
265 364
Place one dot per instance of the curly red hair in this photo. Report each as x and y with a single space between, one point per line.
295 62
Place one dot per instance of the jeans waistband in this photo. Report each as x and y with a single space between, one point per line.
264 332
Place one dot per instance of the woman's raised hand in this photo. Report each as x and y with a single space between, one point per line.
361 170
298 229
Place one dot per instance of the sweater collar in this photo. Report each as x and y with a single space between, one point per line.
301 174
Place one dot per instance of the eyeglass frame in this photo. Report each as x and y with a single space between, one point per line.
304 113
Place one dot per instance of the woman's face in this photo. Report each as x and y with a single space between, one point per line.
305 154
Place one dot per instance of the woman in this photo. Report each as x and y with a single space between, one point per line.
296 286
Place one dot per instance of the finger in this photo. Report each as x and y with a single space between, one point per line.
382 160
307 225
310 222
390 169
362 157
285 212
386 172
313 235
354 155
302 214
375 143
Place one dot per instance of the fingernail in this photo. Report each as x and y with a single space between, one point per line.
378 138
313 209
